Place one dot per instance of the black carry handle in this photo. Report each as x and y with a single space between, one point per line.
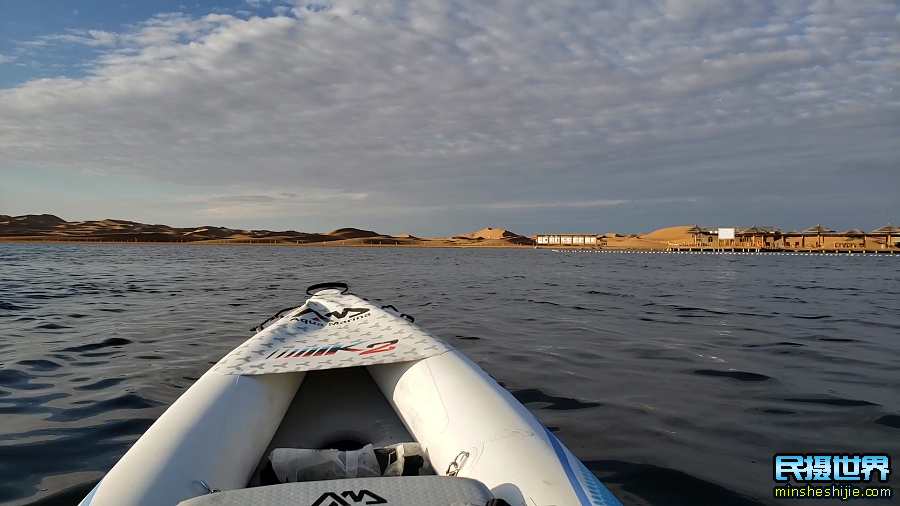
318 287
312 290
275 316
402 315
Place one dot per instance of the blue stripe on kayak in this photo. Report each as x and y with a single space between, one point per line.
90 497
567 467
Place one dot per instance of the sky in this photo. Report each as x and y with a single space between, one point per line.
439 118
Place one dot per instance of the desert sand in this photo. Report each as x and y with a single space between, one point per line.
50 228
657 240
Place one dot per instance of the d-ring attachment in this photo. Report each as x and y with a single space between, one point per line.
313 289
453 468
209 489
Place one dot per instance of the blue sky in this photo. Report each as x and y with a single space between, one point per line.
437 118
26 22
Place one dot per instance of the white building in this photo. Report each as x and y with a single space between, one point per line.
566 240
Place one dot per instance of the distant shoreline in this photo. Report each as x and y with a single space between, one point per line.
263 242
447 245
45 228
50 229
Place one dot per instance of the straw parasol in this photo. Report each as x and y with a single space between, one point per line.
819 230
752 232
887 230
760 231
855 232
791 233
694 231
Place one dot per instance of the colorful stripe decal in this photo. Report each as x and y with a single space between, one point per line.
90 497
567 467
588 484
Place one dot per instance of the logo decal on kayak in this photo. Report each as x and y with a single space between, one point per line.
310 316
361 497
331 349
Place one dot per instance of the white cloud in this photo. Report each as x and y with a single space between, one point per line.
97 38
4 59
481 103
254 204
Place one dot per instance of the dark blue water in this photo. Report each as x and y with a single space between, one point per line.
674 377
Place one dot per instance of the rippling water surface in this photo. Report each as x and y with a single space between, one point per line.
673 377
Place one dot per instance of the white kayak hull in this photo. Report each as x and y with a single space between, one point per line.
327 374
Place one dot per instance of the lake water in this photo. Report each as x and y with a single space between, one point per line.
673 377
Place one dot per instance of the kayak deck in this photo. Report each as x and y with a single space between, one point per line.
332 331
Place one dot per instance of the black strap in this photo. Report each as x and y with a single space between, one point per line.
402 315
273 317
328 284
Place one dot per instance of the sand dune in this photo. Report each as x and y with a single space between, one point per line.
492 234
668 234
656 240
46 227
354 233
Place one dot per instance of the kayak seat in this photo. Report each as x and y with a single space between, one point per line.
392 491
292 465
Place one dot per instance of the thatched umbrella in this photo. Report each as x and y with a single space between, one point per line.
767 232
887 230
695 231
819 230
855 232
752 232
792 232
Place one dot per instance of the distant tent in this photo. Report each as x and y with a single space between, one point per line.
792 233
751 232
754 230
887 230
855 232
818 230
694 230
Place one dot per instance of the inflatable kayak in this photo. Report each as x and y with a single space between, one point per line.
340 402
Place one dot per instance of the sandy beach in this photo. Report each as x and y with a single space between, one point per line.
50 228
